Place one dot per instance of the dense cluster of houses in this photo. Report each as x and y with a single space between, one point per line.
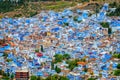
72 32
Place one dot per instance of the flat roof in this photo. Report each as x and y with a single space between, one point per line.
22 70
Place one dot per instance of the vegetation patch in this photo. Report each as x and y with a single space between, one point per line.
6 6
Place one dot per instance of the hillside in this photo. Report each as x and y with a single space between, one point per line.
32 8
29 9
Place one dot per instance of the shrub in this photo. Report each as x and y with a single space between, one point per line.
33 14
104 24
17 15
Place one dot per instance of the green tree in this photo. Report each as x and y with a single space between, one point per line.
58 70
117 72
83 59
33 78
118 56
118 66
115 55
96 9
58 58
75 18
72 64
52 65
111 53
33 13
1 72
63 78
66 24
8 5
91 79
54 77
37 50
5 78
12 76
5 55
42 50
48 78
21 1
104 24
9 60
114 4
39 78
85 0
116 12
66 56
109 31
